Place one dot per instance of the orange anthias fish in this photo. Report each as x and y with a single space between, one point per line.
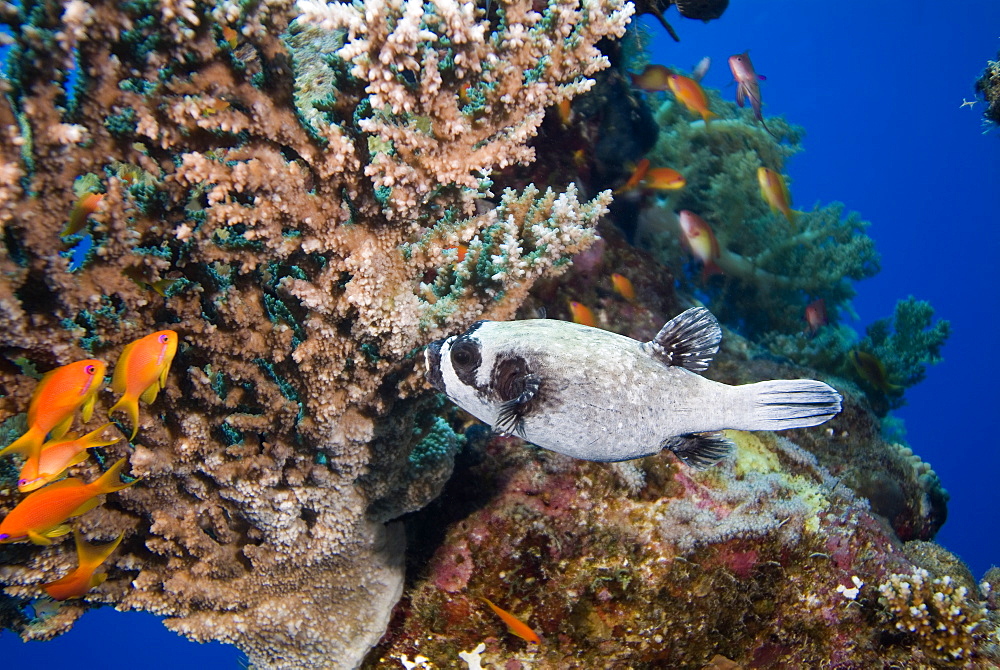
84 207
89 558
747 86
699 239
582 314
41 516
638 174
623 286
775 193
57 455
54 401
664 179
141 372
815 316
653 79
689 94
515 625
231 36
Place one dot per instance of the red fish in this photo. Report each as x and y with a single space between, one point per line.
699 239
747 86
89 558
41 516
141 372
515 625
690 94
57 455
53 403
815 315
84 207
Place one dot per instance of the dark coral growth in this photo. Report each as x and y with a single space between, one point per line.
988 85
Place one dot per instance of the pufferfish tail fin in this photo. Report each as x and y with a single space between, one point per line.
781 404
688 340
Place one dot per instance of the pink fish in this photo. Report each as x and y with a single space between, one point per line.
815 316
747 87
698 238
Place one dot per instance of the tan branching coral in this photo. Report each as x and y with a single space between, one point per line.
298 225
940 615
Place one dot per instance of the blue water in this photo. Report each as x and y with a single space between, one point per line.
878 87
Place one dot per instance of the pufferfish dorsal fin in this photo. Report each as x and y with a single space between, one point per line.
689 340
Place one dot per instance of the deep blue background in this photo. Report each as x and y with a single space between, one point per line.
878 87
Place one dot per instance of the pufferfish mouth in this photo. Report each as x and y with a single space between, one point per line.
432 359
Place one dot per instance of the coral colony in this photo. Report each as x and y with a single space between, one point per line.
307 194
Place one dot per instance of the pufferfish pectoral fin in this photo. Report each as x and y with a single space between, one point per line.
689 340
513 410
700 450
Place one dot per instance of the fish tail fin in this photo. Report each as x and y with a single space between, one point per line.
92 555
111 480
781 404
28 444
129 405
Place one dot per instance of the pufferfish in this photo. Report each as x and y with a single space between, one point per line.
600 396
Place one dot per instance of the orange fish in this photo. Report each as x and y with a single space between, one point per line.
623 286
689 94
141 372
775 193
84 207
89 558
230 36
638 174
42 514
54 401
664 179
57 455
565 112
815 315
582 314
699 239
515 625
653 79
460 250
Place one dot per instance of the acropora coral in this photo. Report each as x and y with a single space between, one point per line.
284 187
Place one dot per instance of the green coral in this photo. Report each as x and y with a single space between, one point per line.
907 342
439 442
772 268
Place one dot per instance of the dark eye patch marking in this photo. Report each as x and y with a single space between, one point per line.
465 359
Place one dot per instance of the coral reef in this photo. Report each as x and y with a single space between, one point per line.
988 85
290 197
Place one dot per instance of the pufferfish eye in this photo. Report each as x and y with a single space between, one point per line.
464 354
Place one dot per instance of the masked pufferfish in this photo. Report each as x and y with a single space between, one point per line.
599 396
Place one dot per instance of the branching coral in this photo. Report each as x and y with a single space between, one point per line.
907 342
940 616
291 203
774 267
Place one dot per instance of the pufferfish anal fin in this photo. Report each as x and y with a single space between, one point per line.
516 387
689 340
700 450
